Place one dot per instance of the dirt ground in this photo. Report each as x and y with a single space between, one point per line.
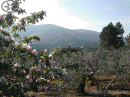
118 89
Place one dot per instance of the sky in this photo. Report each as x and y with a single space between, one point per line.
80 14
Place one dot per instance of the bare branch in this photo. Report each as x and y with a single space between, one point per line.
120 71
91 67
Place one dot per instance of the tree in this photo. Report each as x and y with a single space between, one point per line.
128 39
112 36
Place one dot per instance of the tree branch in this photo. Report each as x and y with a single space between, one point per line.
117 75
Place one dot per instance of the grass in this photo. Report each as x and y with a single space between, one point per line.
56 81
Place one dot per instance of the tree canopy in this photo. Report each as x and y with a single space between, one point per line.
112 36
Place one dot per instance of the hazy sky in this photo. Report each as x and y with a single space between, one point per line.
81 14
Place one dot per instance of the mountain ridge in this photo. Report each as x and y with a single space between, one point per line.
54 35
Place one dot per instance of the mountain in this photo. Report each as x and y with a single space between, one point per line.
91 35
50 32
54 36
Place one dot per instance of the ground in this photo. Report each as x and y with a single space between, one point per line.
118 89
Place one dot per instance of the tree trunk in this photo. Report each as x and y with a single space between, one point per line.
81 86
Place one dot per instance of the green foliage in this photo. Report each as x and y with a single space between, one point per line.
112 36
68 50
14 87
45 56
16 84
17 36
